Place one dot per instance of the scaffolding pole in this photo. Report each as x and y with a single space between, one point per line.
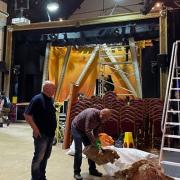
120 71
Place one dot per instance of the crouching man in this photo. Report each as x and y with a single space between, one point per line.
84 129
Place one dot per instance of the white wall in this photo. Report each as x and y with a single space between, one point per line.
94 8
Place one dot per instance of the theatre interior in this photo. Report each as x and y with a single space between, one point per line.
115 54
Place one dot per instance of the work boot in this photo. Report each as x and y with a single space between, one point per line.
78 177
95 173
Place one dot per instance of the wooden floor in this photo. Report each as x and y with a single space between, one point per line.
16 150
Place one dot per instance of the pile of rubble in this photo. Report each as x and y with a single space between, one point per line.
142 170
100 157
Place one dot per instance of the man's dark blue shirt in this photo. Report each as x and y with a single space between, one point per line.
42 110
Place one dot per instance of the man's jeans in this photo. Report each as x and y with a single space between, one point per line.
80 138
42 151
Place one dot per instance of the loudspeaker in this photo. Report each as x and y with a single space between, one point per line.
148 4
21 4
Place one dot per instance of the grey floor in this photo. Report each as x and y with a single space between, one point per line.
16 150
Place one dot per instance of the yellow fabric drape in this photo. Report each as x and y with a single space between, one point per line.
56 58
77 61
88 84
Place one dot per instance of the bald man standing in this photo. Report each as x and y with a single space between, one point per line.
40 115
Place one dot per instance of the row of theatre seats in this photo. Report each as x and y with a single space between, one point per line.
140 116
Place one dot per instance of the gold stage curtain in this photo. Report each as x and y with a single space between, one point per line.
56 59
87 86
77 61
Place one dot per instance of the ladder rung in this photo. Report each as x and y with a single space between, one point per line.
172 136
171 149
173 123
175 88
175 178
178 100
170 163
173 111
176 78
178 67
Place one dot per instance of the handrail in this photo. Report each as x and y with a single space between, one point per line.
167 87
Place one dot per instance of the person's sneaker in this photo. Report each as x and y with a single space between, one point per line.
95 173
78 177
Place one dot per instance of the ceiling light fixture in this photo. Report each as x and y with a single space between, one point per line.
52 6
158 5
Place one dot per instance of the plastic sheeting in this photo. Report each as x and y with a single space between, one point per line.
128 156
71 150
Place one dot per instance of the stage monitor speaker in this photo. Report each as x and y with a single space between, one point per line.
21 4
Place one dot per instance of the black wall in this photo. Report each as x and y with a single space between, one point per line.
29 57
150 72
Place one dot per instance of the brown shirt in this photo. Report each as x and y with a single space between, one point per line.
88 122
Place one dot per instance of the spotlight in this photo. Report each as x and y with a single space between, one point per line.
132 29
148 4
123 32
158 5
76 47
116 32
52 6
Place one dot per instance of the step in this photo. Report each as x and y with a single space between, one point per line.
172 136
173 123
175 178
170 163
175 88
171 149
178 100
173 111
